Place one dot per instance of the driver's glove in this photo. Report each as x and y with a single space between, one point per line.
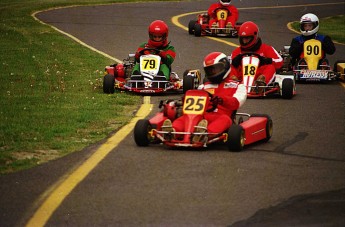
265 61
216 100
163 55
236 61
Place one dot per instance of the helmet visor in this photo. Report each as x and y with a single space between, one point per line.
246 40
214 70
308 26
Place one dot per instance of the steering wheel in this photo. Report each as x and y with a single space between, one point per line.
151 50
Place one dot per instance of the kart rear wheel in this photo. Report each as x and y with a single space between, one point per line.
236 138
197 30
109 84
287 88
188 82
141 133
269 125
191 27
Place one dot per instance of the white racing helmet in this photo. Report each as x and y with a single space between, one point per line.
306 19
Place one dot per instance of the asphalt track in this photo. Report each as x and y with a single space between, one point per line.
296 179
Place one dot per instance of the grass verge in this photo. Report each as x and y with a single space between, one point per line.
51 95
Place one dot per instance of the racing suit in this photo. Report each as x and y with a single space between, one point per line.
296 47
270 62
230 96
167 54
232 17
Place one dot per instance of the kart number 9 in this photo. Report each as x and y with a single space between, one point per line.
194 105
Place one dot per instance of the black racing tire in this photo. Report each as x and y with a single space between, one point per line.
236 138
188 83
269 125
141 133
191 25
109 84
287 88
197 30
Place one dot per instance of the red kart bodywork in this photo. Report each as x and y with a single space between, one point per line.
255 128
200 26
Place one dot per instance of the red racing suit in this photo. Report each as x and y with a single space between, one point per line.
232 17
233 95
267 69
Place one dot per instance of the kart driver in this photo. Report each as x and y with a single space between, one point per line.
250 42
309 26
221 4
158 39
227 96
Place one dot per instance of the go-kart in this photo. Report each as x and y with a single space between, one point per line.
148 80
246 129
311 66
200 26
283 84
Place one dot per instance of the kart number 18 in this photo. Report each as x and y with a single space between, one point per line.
249 70
194 105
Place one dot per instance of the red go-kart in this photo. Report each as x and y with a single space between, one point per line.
246 129
283 84
200 27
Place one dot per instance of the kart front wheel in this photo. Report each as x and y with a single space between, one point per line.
191 27
197 30
109 84
142 135
236 138
287 88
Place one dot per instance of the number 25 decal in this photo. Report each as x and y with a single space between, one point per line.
194 105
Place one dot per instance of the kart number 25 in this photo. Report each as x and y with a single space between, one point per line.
194 105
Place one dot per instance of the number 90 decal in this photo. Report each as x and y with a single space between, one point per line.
312 48
194 105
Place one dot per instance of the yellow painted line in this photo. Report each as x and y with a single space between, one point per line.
73 37
56 197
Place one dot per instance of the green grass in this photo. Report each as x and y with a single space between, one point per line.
332 26
51 95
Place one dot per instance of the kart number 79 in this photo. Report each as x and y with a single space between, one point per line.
194 105
149 64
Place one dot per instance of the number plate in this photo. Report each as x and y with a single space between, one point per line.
194 105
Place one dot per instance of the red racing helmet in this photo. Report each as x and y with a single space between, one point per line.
216 66
248 34
158 34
